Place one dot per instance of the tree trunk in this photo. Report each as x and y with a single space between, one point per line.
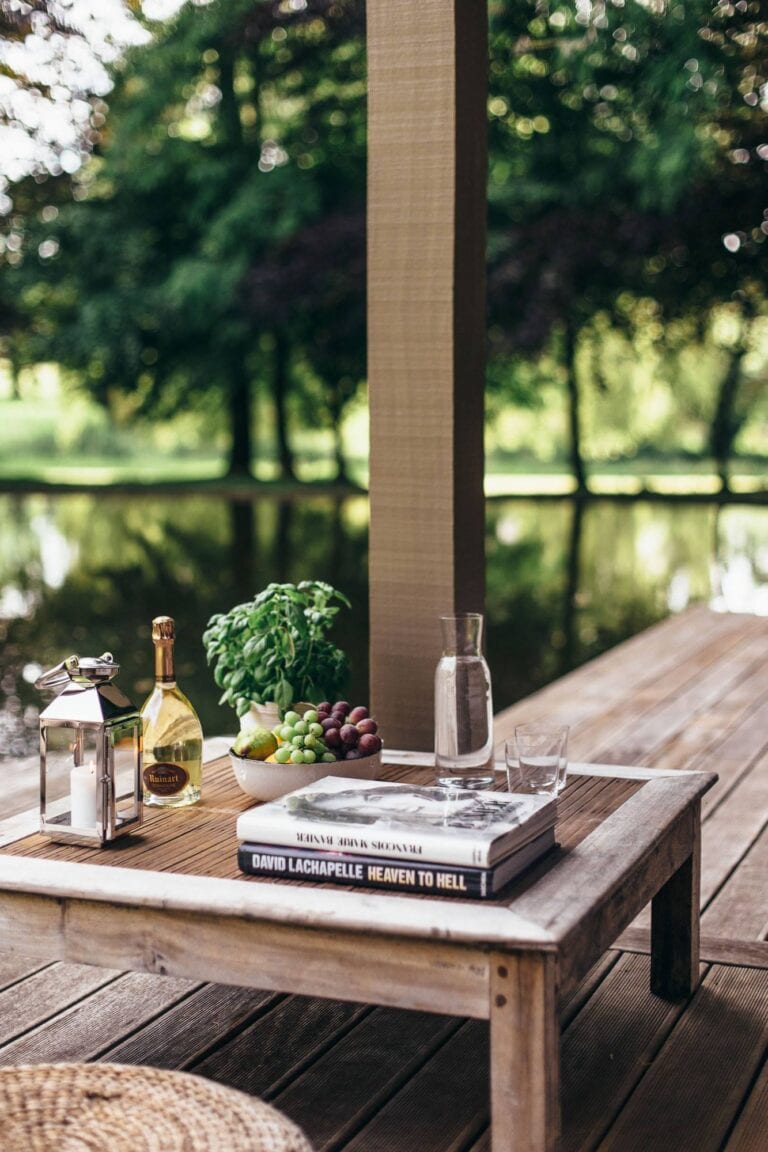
230 109
574 409
14 373
280 393
241 400
726 420
240 419
568 659
337 408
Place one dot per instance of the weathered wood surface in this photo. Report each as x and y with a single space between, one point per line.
525 1053
637 1071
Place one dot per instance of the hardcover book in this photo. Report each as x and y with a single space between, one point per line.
400 821
323 867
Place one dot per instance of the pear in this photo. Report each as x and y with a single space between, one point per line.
255 743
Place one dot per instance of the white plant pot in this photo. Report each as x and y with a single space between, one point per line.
260 716
267 715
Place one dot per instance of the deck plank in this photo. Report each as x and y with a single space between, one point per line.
607 1048
348 1088
444 1105
688 1098
86 1028
705 741
16 968
188 1031
749 1133
740 909
732 828
674 705
28 1003
268 1054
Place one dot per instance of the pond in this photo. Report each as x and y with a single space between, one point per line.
565 581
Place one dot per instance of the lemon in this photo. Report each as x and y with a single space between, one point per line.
255 744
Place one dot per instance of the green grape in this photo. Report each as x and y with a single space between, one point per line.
301 726
291 717
298 741
297 756
310 741
316 729
328 758
286 732
311 716
283 754
309 756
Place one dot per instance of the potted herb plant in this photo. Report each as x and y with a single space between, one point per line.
274 650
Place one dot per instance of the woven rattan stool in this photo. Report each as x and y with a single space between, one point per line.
121 1108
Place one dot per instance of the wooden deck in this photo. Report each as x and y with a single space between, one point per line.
638 1073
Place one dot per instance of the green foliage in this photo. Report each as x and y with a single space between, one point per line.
211 253
627 165
274 648
236 128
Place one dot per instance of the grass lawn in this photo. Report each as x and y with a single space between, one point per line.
58 441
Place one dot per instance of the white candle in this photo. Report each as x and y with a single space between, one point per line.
82 784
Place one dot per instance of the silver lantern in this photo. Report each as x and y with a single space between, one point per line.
90 754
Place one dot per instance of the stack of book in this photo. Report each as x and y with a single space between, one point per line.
402 837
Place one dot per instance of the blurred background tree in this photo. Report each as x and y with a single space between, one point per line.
627 165
210 251
51 76
237 128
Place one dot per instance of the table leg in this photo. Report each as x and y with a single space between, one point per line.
525 1053
675 926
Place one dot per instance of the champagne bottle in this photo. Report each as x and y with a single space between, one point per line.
173 737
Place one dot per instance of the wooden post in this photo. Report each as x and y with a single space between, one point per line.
427 65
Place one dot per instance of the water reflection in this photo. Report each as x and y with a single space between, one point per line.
80 573
567 580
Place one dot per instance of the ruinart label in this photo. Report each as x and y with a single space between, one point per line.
164 779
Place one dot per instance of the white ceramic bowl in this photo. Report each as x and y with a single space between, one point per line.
267 781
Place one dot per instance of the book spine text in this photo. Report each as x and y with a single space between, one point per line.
395 875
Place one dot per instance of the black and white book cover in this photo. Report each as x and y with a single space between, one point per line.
400 821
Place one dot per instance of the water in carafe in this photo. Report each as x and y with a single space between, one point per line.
463 706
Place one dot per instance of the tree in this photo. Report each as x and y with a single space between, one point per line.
313 288
210 160
625 161
53 76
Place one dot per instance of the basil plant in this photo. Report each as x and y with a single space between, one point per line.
274 648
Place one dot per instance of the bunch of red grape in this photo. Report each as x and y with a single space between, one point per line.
350 733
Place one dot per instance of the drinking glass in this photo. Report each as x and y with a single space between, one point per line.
537 758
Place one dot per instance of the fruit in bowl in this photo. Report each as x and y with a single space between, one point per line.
255 744
328 740
350 733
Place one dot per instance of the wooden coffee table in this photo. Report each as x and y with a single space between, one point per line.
173 902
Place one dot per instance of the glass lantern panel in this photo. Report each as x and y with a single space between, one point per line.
71 793
125 742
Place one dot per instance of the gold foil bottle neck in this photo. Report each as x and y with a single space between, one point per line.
163 636
163 629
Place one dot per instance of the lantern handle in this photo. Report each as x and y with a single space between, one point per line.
58 675
68 669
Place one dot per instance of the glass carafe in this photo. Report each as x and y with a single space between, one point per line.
463 706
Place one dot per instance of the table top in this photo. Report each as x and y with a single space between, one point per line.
610 820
